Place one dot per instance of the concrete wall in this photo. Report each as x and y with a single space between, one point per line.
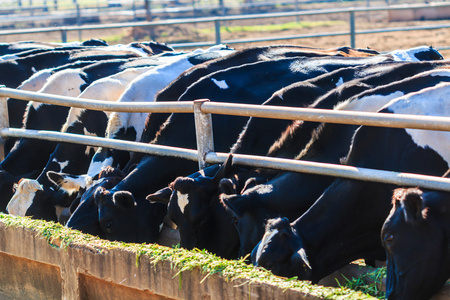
35 266
33 269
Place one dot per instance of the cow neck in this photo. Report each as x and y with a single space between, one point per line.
154 173
333 239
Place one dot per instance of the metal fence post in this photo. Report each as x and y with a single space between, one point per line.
352 28
4 122
217 27
79 21
204 132
63 36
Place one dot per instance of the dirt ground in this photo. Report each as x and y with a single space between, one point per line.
194 33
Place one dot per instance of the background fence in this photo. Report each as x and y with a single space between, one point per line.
205 144
217 24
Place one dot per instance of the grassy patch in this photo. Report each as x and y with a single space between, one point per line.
369 283
273 27
60 237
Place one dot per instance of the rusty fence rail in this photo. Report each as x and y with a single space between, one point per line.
205 154
218 21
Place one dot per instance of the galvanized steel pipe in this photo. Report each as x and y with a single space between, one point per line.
403 179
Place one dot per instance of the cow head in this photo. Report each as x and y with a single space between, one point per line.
124 218
84 210
416 238
281 250
248 214
244 220
31 199
8 182
193 208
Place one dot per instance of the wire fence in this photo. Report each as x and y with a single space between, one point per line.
205 153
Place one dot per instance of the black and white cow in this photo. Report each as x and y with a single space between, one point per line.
416 238
344 223
25 46
24 158
129 126
200 193
73 158
203 191
106 179
328 144
15 71
251 83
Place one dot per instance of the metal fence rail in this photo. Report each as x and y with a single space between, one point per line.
203 109
217 21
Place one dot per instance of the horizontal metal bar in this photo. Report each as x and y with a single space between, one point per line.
100 142
170 106
247 110
403 179
330 116
395 29
286 37
364 174
227 18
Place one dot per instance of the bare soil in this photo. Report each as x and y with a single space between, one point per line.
193 33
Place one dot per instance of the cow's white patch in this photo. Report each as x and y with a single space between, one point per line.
122 47
62 165
183 200
220 83
264 189
8 57
73 183
340 82
432 101
35 82
23 197
370 103
409 54
96 166
265 240
62 83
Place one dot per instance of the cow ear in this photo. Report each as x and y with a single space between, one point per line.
183 184
249 183
162 196
124 200
227 186
55 177
300 258
234 203
70 183
412 204
224 169
100 194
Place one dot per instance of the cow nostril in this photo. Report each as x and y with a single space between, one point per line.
268 265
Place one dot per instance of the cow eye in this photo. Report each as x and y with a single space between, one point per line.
234 220
389 239
107 226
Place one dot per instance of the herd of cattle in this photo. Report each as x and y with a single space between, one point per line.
294 224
